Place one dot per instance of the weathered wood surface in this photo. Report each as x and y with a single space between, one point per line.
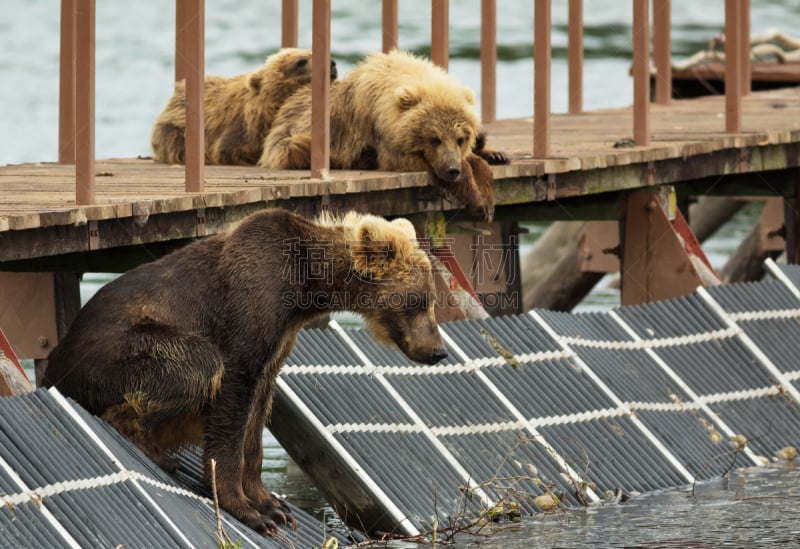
139 201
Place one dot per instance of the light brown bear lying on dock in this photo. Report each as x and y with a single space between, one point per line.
186 349
238 111
395 112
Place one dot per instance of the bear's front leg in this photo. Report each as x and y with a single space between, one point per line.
254 488
226 431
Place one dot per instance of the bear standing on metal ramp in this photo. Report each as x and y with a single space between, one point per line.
187 349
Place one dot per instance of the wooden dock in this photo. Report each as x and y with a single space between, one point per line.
593 164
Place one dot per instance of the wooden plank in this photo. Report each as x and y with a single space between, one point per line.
575 56
488 60
320 90
84 101
541 87
194 40
289 24
641 72
733 67
440 32
66 85
389 26
662 50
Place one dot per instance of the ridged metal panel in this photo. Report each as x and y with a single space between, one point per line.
769 423
671 318
770 335
411 469
43 444
513 460
316 347
692 436
596 326
549 388
719 366
766 295
633 374
792 272
360 398
616 453
29 446
450 399
25 526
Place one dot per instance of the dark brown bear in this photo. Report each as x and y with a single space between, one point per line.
186 349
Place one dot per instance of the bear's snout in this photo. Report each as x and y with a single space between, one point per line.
439 353
449 172
334 70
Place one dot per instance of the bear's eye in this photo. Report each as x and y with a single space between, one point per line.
460 141
435 141
417 302
301 63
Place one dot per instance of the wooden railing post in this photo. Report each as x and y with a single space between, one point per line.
66 86
180 40
194 48
84 102
389 26
575 56
733 67
488 60
320 87
542 17
440 32
744 43
289 24
662 50
641 72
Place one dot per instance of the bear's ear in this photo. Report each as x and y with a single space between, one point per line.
374 250
407 228
469 95
254 82
407 97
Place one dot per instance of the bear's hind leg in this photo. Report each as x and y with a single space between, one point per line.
167 382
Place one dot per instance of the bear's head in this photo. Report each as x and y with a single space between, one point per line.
288 69
443 128
393 284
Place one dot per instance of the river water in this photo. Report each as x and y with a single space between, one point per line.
751 508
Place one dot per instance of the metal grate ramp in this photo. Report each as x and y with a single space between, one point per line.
68 479
580 405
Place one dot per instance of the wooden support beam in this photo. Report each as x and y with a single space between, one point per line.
13 378
84 102
575 56
320 89
792 221
541 69
389 26
733 67
194 48
289 25
655 264
66 86
641 72
440 32
488 60
662 50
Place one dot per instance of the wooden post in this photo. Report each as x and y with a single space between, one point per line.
194 33
289 24
575 56
662 50
744 46
541 70
66 86
655 264
440 32
641 72
320 87
180 40
389 26
488 60
84 102
733 67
